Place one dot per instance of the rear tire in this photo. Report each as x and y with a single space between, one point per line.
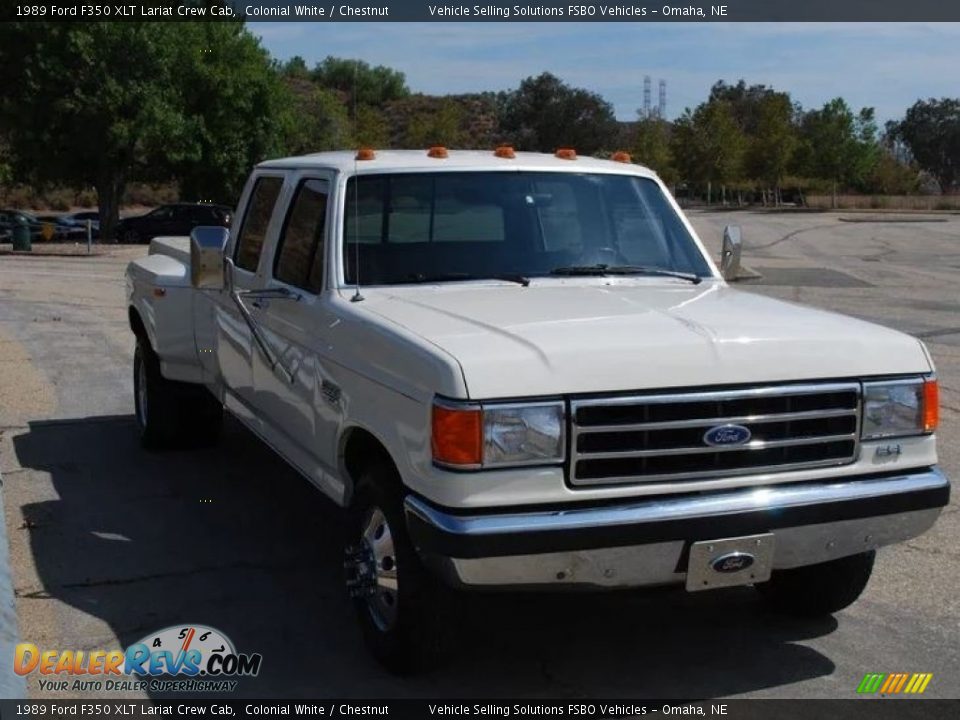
171 414
405 613
818 590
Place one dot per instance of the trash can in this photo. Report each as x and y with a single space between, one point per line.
21 235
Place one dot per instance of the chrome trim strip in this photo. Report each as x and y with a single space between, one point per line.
772 470
752 445
709 422
699 506
784 390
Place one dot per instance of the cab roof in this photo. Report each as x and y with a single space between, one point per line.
459 160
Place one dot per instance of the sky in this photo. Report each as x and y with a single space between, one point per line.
887 66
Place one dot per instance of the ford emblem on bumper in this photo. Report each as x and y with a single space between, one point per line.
732 562
727 435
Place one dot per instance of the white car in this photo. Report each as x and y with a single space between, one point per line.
524 371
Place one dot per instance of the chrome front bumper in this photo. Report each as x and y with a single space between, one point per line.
646 543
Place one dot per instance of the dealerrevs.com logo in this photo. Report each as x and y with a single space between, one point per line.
180 658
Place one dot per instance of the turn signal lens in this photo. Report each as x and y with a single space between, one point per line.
457 435
931 405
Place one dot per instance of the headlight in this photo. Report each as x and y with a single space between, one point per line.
899 408
471 436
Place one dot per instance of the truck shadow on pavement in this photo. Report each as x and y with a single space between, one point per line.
231 537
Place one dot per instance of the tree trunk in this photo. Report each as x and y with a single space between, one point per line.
109 194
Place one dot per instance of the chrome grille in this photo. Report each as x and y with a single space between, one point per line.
660 437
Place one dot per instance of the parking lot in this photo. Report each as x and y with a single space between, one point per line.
109 543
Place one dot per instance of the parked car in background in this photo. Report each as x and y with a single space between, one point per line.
175 219
81 218
63 227
10 218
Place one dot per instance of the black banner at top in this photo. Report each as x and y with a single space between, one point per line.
485 10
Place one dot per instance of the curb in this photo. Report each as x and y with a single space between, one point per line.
12 686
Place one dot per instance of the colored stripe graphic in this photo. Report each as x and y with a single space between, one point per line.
918 683
894 683
871 682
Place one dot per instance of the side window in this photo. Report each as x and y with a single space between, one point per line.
300 254
255 222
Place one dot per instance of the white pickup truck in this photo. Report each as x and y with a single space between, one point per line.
519 370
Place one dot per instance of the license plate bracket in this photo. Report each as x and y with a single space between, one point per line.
730 562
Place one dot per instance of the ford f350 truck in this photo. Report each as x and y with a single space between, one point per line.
524 371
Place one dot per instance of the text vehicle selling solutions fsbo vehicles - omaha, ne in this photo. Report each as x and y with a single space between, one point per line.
518 370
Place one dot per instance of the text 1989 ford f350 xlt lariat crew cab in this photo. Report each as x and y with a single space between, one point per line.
523 370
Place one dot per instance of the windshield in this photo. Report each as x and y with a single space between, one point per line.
417 227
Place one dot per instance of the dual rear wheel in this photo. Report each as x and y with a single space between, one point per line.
171 414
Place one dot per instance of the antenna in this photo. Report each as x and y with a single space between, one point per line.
357 297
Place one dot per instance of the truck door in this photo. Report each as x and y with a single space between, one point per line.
235 348
293 390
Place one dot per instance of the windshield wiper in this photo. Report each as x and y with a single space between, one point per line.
453 276
601 269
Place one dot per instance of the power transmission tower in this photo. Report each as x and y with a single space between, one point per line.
646 96
662 102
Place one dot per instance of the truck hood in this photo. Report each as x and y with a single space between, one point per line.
559 337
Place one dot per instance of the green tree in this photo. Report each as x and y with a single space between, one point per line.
709 145
370 127
98 104
317 119
295 69
437 121
232 105
774 138
359 82
545 113
838 145
650 146
931 130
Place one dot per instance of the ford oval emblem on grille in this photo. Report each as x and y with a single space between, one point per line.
726 435
732 562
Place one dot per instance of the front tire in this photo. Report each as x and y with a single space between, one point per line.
404 612
819 590
169 413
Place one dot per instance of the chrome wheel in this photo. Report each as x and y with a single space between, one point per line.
142 391
374 570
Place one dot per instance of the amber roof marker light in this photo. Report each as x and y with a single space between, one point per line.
505 151
439 152
365 153
566 153
621 157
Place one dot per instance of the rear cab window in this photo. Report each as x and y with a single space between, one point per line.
256 220
299 259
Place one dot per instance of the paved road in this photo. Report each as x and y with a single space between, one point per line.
108 542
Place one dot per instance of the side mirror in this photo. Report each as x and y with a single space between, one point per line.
730 255
206 257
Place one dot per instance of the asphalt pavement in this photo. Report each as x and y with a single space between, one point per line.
108 542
